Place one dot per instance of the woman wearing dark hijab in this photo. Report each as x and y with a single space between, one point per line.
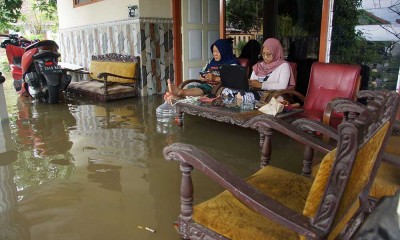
222 54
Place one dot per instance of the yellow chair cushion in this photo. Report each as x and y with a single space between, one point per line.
125 69
359 177
229 217
387 181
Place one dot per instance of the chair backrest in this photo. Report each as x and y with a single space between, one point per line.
244 62
330 80
345 175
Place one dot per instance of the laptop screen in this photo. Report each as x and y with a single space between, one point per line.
234 76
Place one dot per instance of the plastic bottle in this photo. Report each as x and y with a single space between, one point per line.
165 112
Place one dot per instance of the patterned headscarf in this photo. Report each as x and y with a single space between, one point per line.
226 51
263 69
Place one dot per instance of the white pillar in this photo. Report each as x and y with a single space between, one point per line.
3 105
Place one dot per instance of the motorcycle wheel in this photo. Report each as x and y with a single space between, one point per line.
54 94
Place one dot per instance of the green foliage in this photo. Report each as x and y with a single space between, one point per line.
347 46
244 14
10 10
240 46
47 7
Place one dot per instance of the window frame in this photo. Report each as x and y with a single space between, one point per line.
85 3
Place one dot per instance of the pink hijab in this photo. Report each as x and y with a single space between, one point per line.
263 69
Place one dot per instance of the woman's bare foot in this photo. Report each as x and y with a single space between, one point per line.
174 90
170 98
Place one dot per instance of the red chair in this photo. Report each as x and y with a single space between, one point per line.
327 81
244 62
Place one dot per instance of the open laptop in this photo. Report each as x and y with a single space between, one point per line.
234 76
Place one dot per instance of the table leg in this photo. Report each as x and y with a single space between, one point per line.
266 145
307 162
179 118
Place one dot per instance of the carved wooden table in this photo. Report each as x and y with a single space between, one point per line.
233 115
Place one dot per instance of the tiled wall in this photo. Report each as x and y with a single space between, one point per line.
149 38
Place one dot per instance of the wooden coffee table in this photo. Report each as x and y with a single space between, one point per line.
233 115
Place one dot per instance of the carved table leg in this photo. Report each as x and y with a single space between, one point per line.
179 117
265 142
307 162
186 199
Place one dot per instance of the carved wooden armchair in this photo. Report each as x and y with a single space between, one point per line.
387 181
276 204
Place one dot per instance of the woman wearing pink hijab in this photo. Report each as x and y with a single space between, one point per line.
273 72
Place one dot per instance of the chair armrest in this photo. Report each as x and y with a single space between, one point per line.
346 106
247 194
265 123
186 82
268 95
105 75
306 124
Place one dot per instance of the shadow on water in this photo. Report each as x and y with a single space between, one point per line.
88 171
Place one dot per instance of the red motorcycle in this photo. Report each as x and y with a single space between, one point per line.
15 47
42 77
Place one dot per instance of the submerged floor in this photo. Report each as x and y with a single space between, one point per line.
87 171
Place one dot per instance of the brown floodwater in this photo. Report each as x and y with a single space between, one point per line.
82 171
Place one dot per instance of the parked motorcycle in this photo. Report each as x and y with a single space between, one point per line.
42 77
15 47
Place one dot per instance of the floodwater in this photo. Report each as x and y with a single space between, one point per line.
82 171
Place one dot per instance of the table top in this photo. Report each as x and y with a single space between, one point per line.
230 114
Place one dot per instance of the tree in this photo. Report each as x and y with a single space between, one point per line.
39 16
48 7
244 14
344 37
10 11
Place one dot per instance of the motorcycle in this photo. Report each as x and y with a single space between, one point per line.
42 77
15 47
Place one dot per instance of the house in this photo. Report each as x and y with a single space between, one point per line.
93 27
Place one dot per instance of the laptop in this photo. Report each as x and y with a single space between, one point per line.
234 76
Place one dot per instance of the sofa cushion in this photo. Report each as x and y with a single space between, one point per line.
126 69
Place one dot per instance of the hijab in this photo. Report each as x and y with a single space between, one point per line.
226 51
263 69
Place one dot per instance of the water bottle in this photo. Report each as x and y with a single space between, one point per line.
165 112
165 117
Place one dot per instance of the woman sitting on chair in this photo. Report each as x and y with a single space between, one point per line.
272 73
222 54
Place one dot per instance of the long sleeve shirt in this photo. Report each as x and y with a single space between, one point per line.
277 79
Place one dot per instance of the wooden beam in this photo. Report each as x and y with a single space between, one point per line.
324 34
222 18
177 34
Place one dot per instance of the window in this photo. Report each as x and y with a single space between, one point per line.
78 3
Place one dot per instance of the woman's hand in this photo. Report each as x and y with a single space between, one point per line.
255 84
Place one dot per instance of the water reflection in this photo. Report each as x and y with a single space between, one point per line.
12 224
41 135
111 131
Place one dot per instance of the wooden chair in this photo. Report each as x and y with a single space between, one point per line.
387 181
327 81
276 204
